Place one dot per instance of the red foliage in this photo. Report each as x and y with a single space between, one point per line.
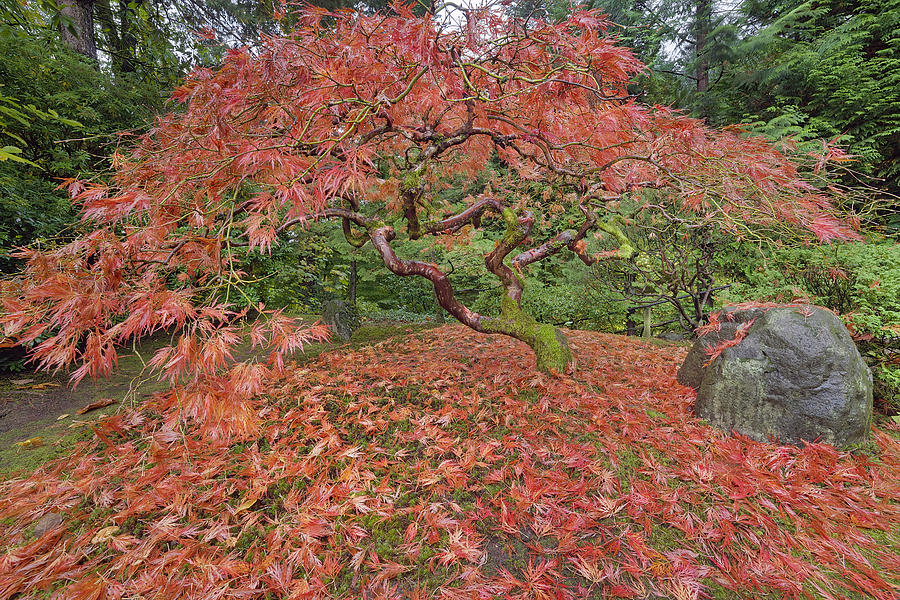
448 453
351 116
739 335
715 324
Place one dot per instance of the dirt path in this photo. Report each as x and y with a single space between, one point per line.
39 412
39 416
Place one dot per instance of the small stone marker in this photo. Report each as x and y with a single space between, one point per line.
46 523
795 376
341 318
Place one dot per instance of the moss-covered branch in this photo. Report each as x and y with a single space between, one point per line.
549 344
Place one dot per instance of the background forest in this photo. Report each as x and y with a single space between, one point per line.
79 77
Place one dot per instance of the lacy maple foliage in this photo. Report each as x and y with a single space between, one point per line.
443 465
365 119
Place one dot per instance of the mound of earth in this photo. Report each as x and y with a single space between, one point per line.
443 465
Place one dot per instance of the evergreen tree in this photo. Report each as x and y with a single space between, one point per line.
826 69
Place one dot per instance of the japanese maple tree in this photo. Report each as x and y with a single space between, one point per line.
365 119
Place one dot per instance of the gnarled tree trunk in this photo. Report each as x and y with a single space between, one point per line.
549 343
702 26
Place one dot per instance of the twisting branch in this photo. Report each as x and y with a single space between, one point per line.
471 214
625 250
330 213
564 239
517 229
355 240
381 239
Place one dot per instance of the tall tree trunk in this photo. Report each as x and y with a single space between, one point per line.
630 325
438 311
120 33
78 15
702 25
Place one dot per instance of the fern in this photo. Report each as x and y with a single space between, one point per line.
820 70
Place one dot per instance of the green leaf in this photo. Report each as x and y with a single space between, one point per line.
11 152
15 114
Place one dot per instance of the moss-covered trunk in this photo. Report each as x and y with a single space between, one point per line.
549 343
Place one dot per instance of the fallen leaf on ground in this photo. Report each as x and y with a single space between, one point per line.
31 442
96 404
104 534
20 381
482 466
250 499
43 386
62 416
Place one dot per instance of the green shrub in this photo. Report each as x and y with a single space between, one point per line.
859 281
69 115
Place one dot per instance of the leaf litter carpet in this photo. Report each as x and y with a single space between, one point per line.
444 466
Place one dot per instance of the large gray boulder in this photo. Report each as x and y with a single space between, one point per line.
342 319
796 376
730 319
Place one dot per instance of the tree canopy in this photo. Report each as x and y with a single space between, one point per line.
518 167
364 119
